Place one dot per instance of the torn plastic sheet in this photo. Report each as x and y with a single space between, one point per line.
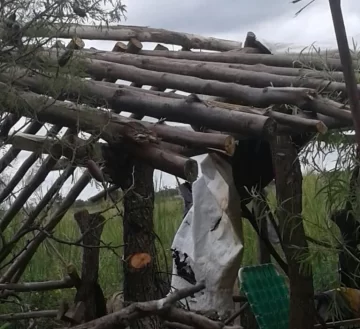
209 243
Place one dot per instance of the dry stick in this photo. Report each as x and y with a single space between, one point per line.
31 186
126 33
347 64
20 173
12 153
38 286
20 263
28 315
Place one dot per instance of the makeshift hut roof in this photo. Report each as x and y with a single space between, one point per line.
255 94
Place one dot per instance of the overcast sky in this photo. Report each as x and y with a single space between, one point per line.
273 21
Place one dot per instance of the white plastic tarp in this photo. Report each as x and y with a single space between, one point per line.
210 238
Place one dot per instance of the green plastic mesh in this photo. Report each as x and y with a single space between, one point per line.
267 294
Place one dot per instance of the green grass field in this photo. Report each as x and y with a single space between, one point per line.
48 264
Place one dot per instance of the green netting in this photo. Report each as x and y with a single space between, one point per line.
267 294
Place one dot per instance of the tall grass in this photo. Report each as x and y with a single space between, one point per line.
47 264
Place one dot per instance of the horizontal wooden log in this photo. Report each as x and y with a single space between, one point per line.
289 71
79 150
28 315
260 97
293 60
278 70
189 110
154 155
126 33
38 286
314 122
302 124
209 71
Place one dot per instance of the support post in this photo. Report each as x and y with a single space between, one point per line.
141 274
89 292
288 181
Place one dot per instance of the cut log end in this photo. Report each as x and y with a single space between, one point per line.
134 46
321 127
191 170
120 47
139 261
76 43
229 145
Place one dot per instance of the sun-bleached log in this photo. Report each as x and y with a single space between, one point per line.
126 33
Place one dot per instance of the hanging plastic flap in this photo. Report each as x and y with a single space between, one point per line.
208 244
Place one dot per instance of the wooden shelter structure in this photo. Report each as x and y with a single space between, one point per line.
239 99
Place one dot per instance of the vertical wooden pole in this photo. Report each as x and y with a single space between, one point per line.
89 292
288 183
347 64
